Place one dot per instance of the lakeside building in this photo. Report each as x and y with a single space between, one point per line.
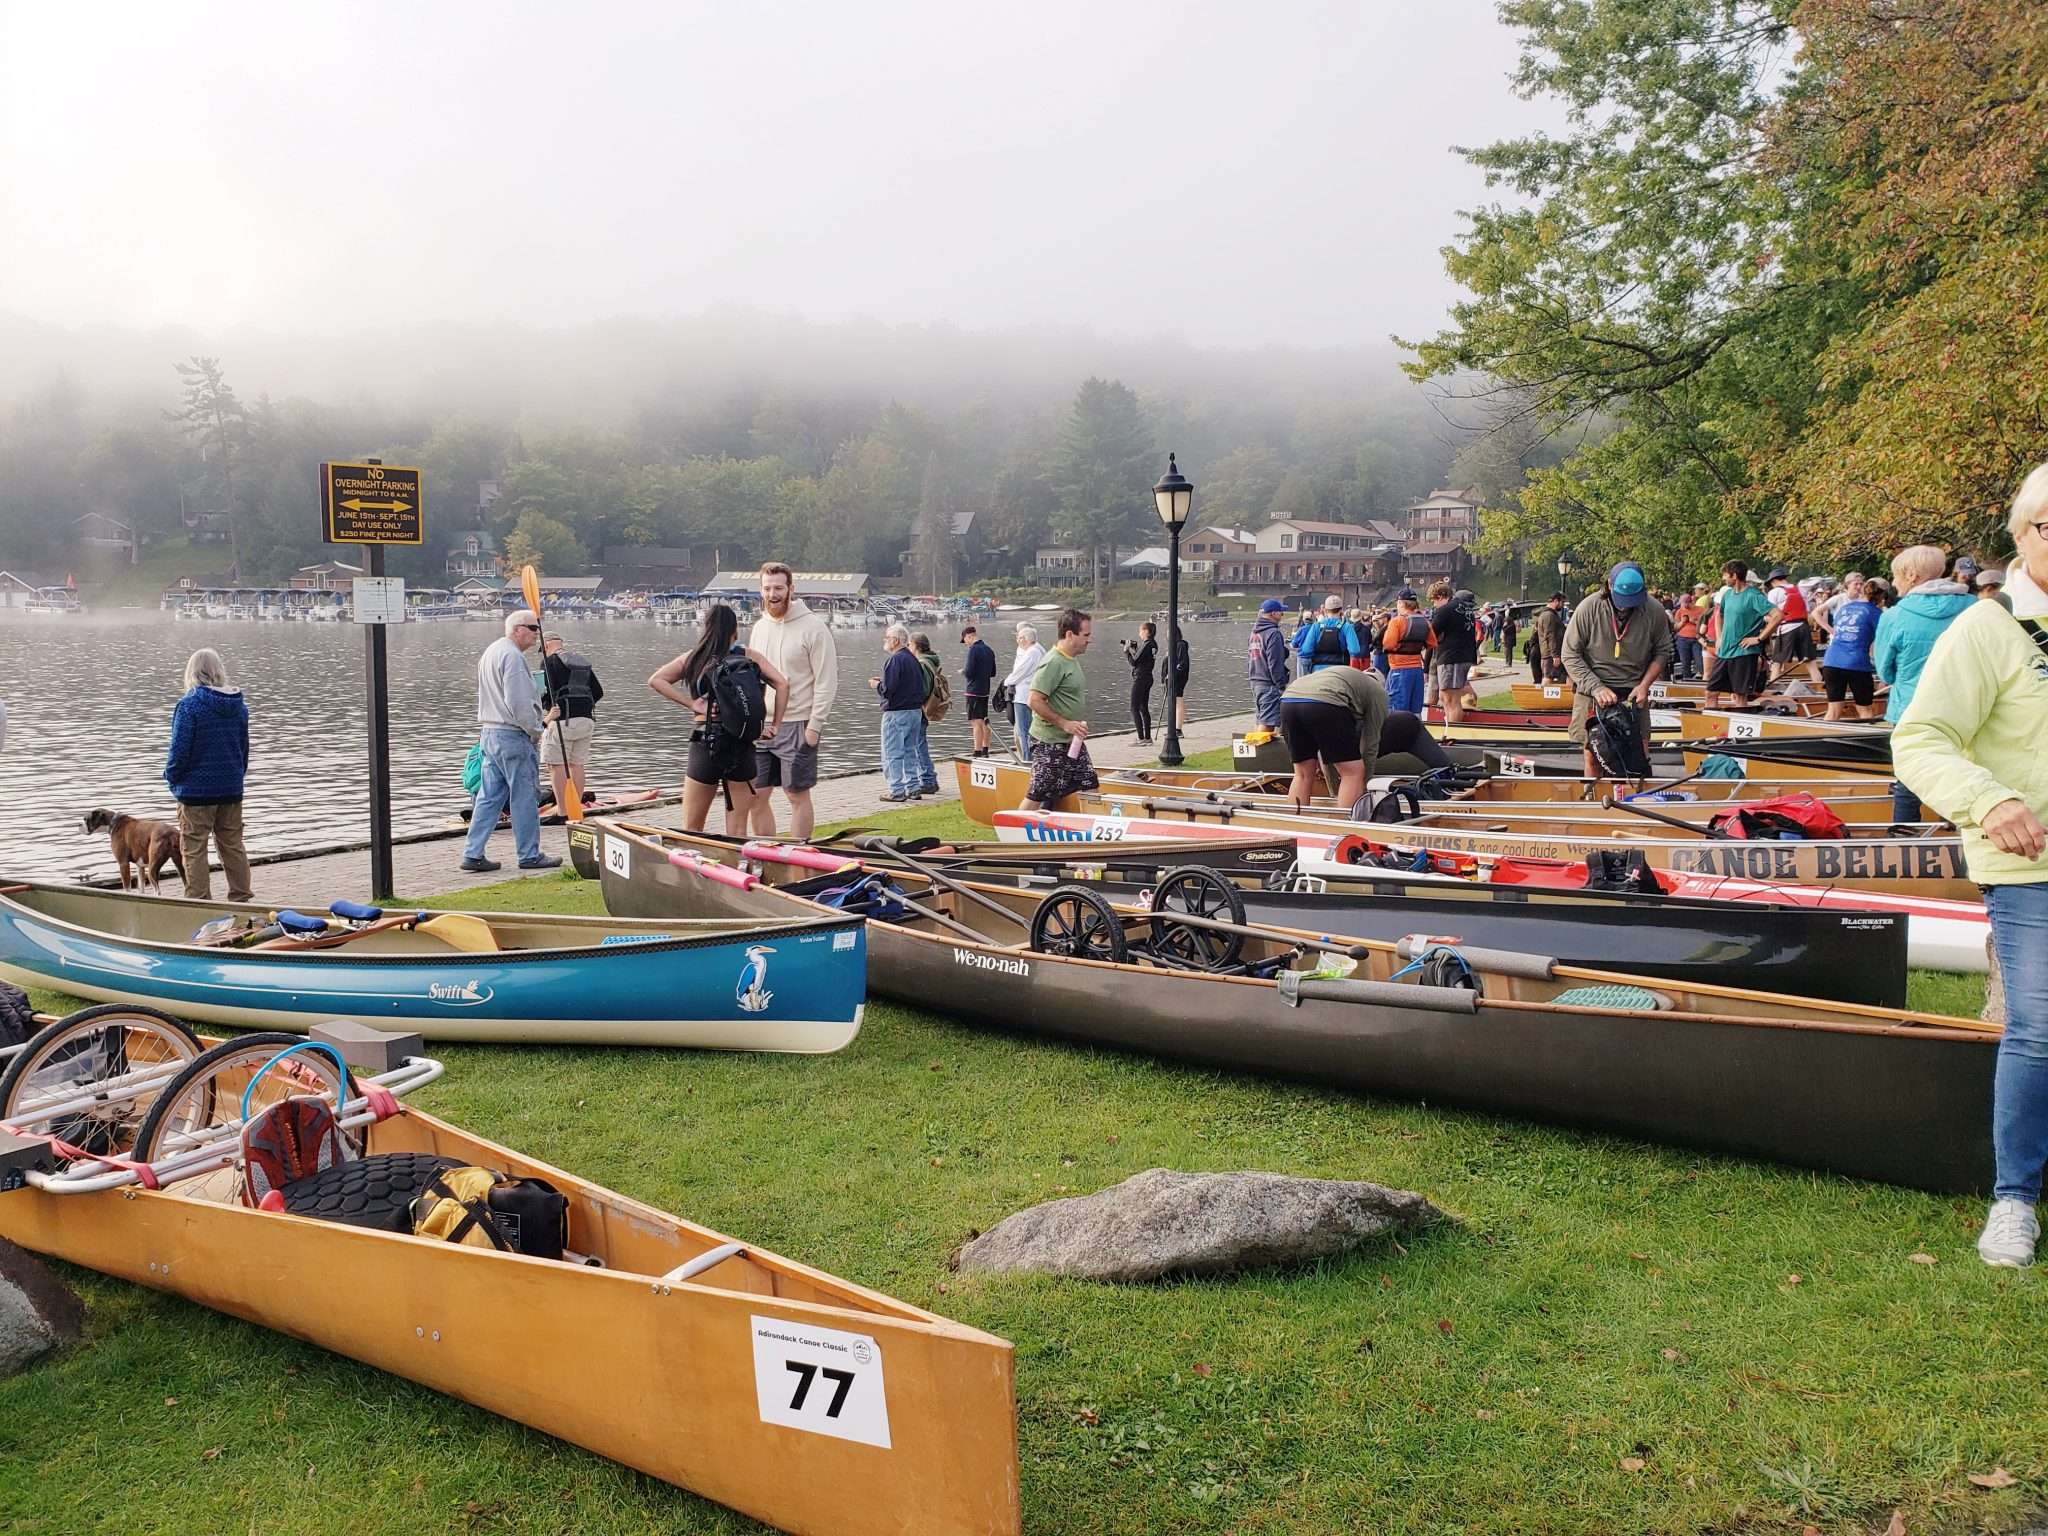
1299 560
1427 560
475 552
807 584
1198 555
327 576
1445 516
99 534
1145 565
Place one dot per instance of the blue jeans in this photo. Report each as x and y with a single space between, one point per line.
899 749
1906 805
1024 728
1688 656
511 777
2019 1096
1266 705
1404 689
927 771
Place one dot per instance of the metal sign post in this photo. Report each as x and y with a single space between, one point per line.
374 504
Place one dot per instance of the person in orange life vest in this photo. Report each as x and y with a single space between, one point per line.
1407 639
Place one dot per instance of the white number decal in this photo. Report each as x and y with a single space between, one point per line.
1518 767
982 775
1553 691
1242 748
1742 728
1659 693
618 856
1108 829
820 1380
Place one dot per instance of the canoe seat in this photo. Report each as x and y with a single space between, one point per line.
1615 995
376 1191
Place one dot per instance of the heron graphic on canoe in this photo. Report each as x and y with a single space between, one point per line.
752 991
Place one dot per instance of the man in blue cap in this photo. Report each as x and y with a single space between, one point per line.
1267 664
1617 644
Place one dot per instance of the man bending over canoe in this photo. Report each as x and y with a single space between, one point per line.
1333 716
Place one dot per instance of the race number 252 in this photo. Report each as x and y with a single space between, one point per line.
821 1380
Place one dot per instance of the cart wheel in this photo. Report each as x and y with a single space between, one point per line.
115 1056
1198 892
207 1094
1075 921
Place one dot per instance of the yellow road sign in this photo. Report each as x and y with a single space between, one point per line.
371 504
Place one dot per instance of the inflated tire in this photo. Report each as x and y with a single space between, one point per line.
199 1073
67 1042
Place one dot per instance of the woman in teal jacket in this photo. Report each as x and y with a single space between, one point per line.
1906 631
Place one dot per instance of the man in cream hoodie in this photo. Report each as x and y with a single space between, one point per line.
798 642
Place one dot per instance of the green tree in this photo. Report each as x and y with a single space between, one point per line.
1103 470
212 414
543 542
934 550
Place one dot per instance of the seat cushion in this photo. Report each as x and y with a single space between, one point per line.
372 1191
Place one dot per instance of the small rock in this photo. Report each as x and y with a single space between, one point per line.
38 1312
1159 1223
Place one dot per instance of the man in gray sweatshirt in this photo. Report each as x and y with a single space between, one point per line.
508 724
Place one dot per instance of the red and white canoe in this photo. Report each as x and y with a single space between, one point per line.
1940 935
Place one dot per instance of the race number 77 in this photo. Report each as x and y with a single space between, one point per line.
806 1374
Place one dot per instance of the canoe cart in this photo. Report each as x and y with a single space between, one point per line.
280 1179
1876 1093
501 976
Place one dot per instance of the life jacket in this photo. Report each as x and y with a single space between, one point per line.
1329 649
575 688
1404 638
1795 602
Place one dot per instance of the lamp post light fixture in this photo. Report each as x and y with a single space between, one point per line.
1173 496
1565 563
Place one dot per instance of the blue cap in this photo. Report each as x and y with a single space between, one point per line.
1272 605
1626 586
1405 595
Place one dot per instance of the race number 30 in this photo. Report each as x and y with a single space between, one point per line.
820 1380
618 857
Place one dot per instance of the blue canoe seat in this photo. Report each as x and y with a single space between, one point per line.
299 922
356 911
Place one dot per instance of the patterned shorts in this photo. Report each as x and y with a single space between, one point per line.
1055 775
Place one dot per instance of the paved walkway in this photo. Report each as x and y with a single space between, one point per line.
427 868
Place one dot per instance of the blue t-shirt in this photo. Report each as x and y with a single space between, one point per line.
1855 629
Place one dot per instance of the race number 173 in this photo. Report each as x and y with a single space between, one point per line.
821 1380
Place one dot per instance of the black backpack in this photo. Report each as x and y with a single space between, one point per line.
1614 733
740 697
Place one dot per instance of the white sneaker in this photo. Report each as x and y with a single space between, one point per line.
2010 1232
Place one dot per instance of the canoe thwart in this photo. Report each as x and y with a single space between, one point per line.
710 1258
1296 989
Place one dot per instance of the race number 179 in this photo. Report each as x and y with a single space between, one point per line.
821 1380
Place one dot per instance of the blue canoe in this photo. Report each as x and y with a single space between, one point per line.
717 984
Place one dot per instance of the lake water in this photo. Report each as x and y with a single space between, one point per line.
89 701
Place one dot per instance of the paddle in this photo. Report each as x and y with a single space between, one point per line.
943 882
1698 829
572 794
458 930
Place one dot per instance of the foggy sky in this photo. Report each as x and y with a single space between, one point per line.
1244 174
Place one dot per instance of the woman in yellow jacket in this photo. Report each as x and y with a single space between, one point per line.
1974 742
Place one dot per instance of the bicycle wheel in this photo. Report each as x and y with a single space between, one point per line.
1197 892
1073 920
122 1055
207 1095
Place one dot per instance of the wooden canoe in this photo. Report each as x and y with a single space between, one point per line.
580 980
1685 695
1871 1093
688 1380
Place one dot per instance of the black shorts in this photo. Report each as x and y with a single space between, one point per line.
977 706
1792 642
716 757
1853 682
1733 674
1317 730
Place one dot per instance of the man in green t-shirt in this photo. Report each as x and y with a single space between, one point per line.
1059 694
1744 621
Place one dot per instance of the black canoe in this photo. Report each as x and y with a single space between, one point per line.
1870 1093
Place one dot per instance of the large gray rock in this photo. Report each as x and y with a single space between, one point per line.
1160 1223
38 1311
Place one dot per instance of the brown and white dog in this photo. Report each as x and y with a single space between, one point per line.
146 846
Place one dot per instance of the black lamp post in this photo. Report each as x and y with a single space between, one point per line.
1564 575
1173 496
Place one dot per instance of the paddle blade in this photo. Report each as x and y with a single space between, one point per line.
462 930
529 588
572 793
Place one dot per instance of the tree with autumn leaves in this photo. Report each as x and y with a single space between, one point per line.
1781 282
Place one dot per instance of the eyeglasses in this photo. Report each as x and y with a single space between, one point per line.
533 627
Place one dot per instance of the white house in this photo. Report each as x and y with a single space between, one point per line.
1200 553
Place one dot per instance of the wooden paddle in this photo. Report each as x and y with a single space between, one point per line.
458 930
529 588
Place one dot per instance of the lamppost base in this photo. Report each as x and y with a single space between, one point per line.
1169 750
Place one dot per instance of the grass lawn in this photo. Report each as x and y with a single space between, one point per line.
1614 1338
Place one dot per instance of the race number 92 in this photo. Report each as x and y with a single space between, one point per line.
820 1380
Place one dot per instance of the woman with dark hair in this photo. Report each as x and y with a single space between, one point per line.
718 757
1141 653
1177 653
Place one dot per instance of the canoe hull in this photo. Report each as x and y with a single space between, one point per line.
661 1377
699 992
1897 1106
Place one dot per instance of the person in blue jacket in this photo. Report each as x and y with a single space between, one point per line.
1329 642
207 763
1928 603
1266 663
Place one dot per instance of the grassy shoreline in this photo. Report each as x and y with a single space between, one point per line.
1616 1337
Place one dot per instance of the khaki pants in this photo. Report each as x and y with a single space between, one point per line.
223 823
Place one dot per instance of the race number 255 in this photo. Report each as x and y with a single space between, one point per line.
820 1380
